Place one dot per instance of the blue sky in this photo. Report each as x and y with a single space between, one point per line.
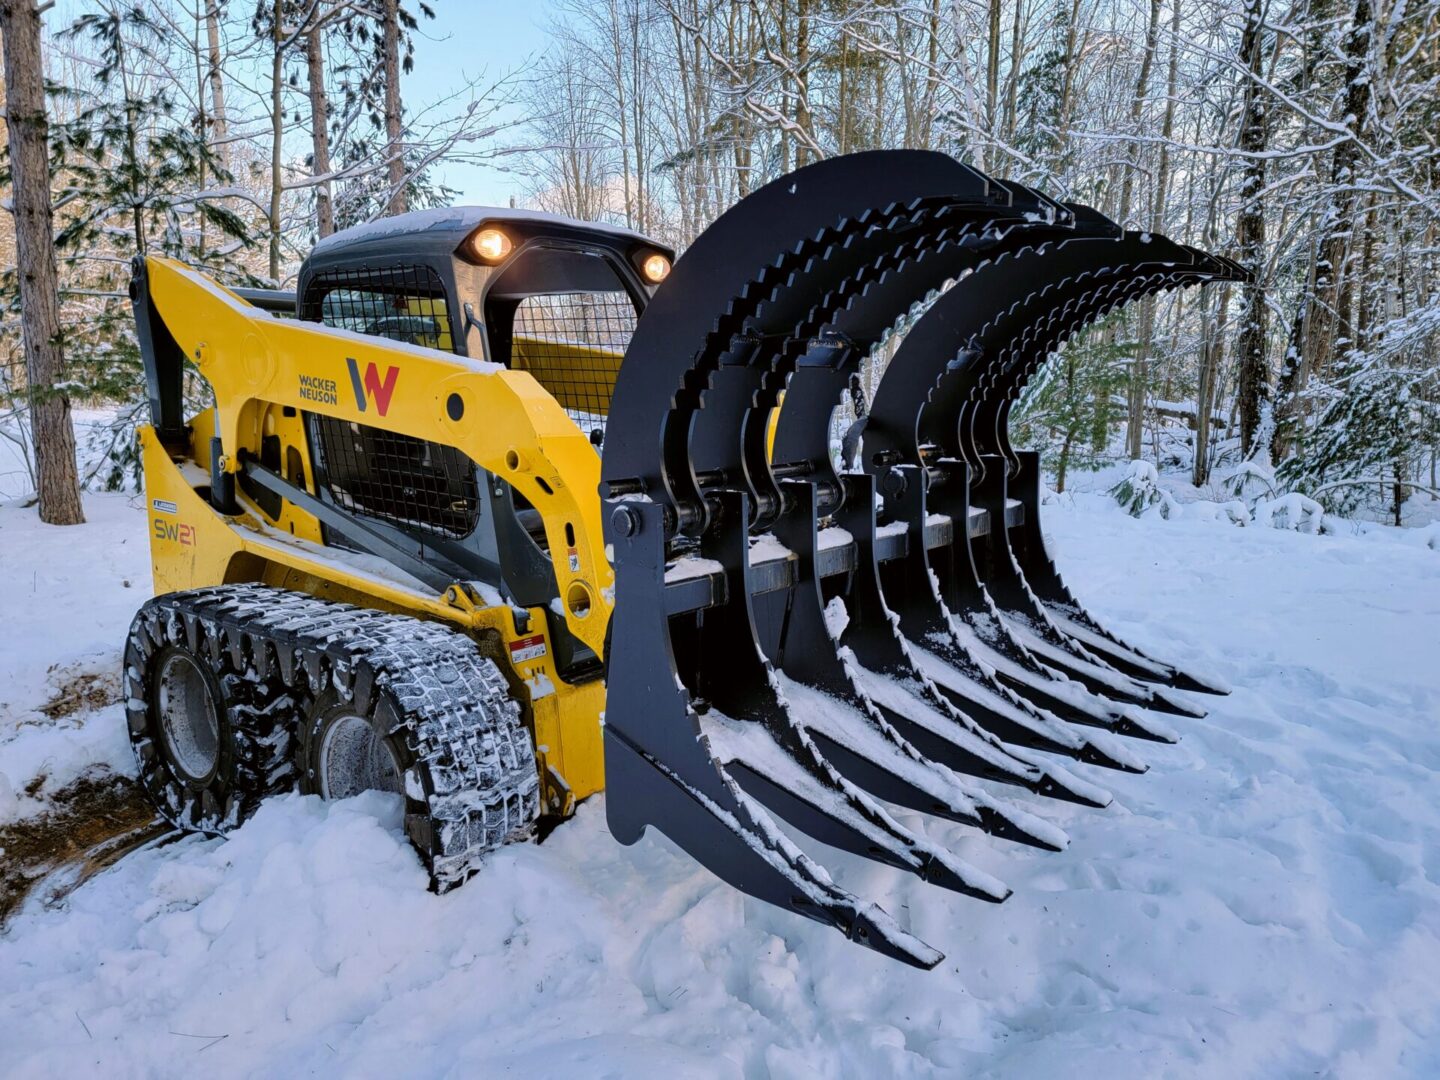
468 42
474 41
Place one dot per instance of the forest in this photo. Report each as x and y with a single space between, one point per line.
1296 137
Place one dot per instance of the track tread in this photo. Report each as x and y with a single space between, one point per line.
472 784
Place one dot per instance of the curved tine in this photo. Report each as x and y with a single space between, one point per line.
816 404
660 772
714 286
887 766
1076 269
1013 568
989 634
851 730
1006 582
754 368
1189 266
905 695
1025 357
867 312
910 588
1044 577
768 347
885 288
767 743
1204 270
1004 282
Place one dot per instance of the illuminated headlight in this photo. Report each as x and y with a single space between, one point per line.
490 245
655 268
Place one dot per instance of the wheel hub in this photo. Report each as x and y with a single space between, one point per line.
188 720
354 757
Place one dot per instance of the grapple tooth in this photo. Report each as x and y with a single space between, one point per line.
731 835
853 732
888 673
981 427
911 589
789 775
807 755
984 423
777 343
659 772
1009 306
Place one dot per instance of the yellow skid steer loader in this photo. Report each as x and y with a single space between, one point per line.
499 509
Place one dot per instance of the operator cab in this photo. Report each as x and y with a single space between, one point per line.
535 292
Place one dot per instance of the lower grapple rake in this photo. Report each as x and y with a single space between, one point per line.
794 642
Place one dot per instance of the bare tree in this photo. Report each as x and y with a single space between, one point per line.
394 131
1254 389
319 128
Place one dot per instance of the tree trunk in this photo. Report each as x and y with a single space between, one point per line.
203 126
992 86
319 129
1212 358
277 121
802 73
394 148
1329 317
1012 81
1135 399
219 124
1254 372
57 484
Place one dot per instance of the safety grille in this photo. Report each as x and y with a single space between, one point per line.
421 486
573 344
402 303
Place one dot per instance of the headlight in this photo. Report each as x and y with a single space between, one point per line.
490 245
655 268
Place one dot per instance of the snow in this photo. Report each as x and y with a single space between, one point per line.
65 604
765 548
1264 902
692 566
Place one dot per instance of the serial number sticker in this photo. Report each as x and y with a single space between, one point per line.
527 648
165 506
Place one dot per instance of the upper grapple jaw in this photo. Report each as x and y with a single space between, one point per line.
819 679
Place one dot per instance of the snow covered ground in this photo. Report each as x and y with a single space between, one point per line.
1264 903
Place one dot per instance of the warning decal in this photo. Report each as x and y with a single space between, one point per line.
527 648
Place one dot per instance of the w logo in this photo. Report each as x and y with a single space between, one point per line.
372 385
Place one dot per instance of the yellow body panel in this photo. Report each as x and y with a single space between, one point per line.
261 367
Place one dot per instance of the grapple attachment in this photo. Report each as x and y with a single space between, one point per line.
807 639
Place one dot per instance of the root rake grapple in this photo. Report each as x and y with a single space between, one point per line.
805 639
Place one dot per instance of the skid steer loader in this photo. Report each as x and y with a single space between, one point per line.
499 509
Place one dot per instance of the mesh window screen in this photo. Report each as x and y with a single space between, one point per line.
403 303
573 344
422 486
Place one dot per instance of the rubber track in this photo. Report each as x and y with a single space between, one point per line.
479 786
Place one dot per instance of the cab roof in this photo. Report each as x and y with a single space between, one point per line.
438 232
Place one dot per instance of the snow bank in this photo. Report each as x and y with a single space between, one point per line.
1265 902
